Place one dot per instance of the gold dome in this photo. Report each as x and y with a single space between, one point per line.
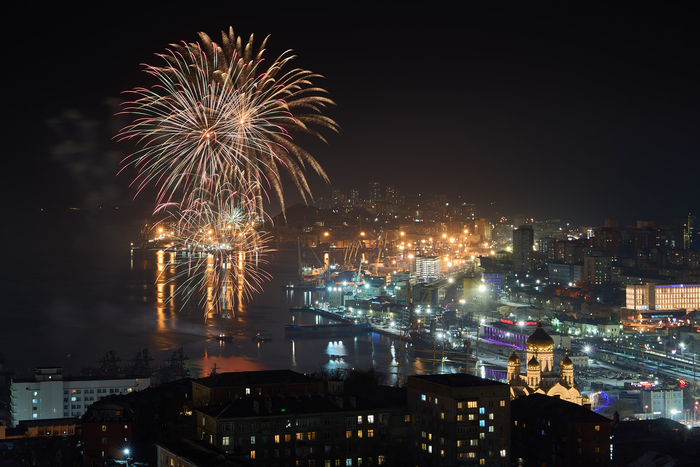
566 361
540 341
514 359
533 364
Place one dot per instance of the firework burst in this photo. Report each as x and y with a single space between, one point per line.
214 136
219 116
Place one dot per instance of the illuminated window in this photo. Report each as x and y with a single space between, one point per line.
490 416
104 427
471 404
472 417
380 460
247 392
225 441
359 433
422 397
348 434
597 428
252 440
287 438
277 439
370 418
503 403
459 418
370 433
442 415
359 419
252 454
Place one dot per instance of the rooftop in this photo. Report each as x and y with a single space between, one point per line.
248 378
289 405
456 380
553 408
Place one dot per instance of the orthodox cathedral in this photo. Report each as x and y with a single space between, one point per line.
540 377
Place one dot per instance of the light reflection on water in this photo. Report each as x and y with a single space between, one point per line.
129 308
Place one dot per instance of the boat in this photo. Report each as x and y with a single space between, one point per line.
422 342
223 337
336 328
260 338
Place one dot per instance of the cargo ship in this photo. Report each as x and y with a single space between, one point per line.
336 328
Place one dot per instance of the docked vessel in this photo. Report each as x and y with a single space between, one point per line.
336 328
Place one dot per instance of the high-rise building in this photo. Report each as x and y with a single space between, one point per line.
553 432
523 241
460 419
375 192
682 232
392 195
354 197
608 240
597 268
335 197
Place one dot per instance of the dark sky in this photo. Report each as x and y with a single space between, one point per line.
552 110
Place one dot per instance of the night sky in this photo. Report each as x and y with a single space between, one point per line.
564 111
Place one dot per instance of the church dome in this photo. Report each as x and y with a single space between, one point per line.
540 341
566 361
514 359
533 364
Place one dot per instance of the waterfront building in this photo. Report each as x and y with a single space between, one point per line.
460 419
523 241
540 377
554 432
48 395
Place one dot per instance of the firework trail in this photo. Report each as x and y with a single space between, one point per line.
220 249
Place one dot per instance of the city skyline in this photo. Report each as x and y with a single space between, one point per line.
581 112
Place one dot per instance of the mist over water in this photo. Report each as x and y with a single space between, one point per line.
72 286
